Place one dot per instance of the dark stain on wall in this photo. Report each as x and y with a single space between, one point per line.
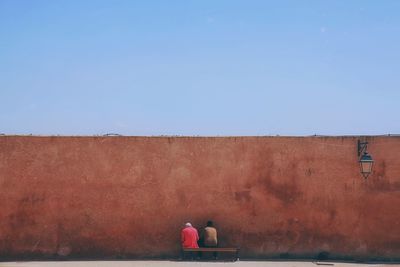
287 192
243 195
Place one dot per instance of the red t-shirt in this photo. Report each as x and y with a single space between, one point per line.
189 237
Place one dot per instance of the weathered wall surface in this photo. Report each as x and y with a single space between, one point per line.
128 196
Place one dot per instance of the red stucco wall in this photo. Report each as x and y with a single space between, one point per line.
128 196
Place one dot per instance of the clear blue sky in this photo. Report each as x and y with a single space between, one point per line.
206 67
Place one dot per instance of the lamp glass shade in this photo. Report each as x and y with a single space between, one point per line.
366 163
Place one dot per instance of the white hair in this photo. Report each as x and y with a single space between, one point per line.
188 224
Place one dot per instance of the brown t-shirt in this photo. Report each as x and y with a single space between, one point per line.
210 237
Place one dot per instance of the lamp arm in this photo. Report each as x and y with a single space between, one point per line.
362 147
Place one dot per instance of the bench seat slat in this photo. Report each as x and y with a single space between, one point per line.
212 249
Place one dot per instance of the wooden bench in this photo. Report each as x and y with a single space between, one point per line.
208 249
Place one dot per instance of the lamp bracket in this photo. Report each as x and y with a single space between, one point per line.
361 147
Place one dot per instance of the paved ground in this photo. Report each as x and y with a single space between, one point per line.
184 264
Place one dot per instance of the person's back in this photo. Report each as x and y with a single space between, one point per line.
189 236
210 235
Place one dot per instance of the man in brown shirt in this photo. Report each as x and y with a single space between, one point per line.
210 237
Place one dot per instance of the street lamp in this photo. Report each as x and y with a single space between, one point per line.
365 160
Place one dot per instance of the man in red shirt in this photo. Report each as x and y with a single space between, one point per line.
189 236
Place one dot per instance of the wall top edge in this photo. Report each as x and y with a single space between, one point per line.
199 136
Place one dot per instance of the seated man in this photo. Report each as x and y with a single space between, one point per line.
210 237
189 237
